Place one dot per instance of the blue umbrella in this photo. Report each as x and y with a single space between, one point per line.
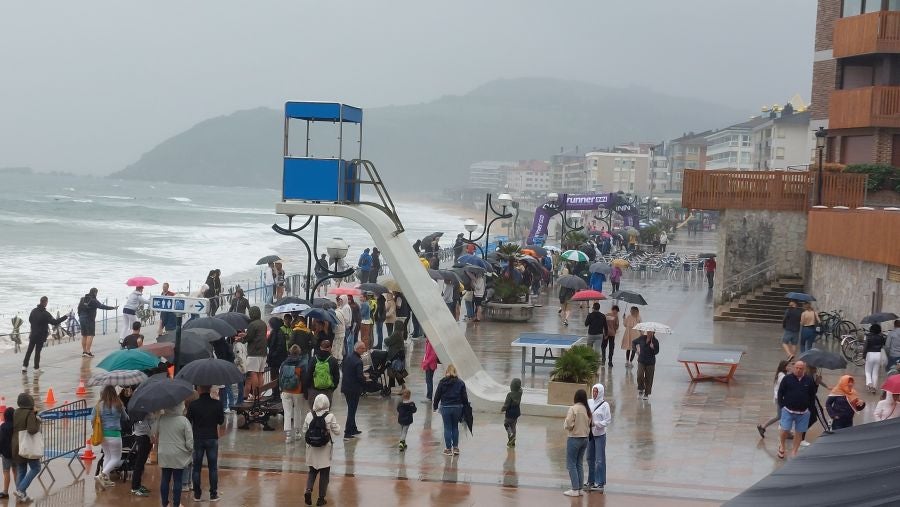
129 359
320 314
473 260
799 296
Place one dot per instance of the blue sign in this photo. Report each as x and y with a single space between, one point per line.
176 304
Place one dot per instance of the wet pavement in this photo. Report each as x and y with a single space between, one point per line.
691 444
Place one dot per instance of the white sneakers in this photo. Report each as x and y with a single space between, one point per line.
572 492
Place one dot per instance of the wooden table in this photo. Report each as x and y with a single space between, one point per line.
693 355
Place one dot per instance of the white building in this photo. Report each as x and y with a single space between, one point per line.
612 172
732 147
782 141
488 175
528 178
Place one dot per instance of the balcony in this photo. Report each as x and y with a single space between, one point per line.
769 190
876 32
871 106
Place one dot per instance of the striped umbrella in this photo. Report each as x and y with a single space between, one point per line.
575 255
117 378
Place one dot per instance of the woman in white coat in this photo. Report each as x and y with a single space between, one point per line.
318 457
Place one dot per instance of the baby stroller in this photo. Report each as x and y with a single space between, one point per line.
376 364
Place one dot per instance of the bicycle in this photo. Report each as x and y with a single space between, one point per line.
853 349
835 326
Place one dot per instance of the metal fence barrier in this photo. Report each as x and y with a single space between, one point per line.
64 430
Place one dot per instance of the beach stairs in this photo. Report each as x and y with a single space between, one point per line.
765 304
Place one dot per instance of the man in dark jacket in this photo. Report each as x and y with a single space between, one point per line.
795 397
791 325
596 324
206 415
352 387
256 349
239 303
87 316
355 318
40 320
458 246
647 346
376 265
278 348
322 355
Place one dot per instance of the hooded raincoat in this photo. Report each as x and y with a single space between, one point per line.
320 457
176 438
601 417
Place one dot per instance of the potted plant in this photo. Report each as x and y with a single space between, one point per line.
575 369
508 300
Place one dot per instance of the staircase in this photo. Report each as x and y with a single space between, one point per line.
766 304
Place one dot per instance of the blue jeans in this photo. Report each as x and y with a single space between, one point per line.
210 448
575 448
352 404
232 398
470 309
451 414
596 459
429 383
174 476
807 338
417 329
379 332
26 472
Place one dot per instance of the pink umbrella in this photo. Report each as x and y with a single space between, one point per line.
141 281
588 295
346 291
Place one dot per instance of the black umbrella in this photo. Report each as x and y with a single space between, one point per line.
324 303
217 325
267 259
237 320
537 249
600 267
290 300
426 241
588 250
435 274
878 318
375 288
822 359
464 278
159 392
468 417
201 335
572 282
799 296
475 270
211 372
629 297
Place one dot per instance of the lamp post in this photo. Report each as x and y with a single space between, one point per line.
470 225
821 139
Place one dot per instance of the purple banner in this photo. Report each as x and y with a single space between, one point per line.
584 201
539 226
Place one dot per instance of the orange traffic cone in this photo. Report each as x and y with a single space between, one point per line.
50 400
172 371
81 391
88 453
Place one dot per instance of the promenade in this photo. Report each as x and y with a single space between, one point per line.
690 444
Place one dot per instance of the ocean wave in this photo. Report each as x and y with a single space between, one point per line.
69 189
118 197
82 200
180 199
59 197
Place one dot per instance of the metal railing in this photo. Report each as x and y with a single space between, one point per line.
64 430
749 279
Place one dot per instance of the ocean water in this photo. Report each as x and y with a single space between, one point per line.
62 235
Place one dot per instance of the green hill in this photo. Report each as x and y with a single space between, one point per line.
431 145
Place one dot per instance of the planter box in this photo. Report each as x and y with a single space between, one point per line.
562 393
508 312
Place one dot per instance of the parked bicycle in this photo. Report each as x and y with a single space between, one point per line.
833 325
853 347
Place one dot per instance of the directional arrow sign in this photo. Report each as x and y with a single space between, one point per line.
176 304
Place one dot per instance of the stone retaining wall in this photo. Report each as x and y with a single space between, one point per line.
850 285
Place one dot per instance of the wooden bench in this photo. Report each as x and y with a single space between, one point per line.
261 408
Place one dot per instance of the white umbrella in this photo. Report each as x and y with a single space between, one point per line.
291 307
656 327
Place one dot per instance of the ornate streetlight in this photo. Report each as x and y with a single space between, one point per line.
311 253
470 225
821 139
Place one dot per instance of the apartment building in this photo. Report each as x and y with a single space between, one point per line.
685 152
783 141
528 178
731 147
614 172
488 175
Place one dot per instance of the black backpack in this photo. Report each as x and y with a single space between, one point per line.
317 435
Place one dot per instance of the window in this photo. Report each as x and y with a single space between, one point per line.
852 8
893 5
871 6
694 150
779 153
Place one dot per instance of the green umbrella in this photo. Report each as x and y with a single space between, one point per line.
129 359
575 255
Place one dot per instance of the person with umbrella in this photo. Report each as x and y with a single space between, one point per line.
612 328
596 326
888 407
239 302
647 347
206 416
615 277
87 316
110 411
565 295
175 445
255 338
632 319
874 343
133 303
40 320
791 325
843 403
451 396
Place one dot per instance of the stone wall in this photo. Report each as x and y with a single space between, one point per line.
850 285
750 237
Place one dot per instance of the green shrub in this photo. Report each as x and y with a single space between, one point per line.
574 239
507 291
577 365
879 174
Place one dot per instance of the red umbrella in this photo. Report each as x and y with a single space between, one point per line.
588 295
345 291
892 384
160 349
141 281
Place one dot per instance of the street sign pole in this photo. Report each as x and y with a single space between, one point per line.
177 341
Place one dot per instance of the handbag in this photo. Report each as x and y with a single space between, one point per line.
97 427
31 446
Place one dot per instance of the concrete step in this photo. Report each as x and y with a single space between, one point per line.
752 315
731 318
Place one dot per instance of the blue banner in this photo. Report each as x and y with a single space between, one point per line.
80 413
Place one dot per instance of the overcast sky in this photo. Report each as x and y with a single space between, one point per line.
88 86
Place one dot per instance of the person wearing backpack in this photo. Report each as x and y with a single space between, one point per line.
321 428
289 374
596 452
277 351
322 374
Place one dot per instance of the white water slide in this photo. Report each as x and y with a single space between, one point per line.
485 393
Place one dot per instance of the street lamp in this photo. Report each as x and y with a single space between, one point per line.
337 249
821 139
470 225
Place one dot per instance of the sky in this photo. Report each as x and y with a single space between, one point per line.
89 86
